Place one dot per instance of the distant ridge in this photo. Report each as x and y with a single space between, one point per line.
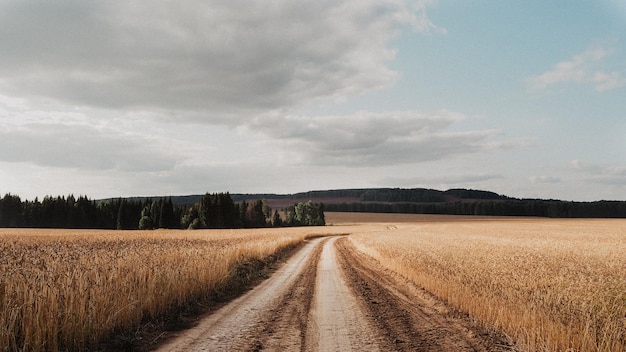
456 201
351 195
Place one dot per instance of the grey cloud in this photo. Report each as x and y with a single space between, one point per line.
450 180
600 174
614 176
610 180
82 146
545 179
376 139
217 58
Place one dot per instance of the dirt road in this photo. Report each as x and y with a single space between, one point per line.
329 297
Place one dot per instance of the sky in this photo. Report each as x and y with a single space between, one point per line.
142 98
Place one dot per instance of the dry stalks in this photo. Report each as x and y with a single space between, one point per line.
553 285
70 289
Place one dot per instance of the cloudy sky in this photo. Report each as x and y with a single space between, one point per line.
130 98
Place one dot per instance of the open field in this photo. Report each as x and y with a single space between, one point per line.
344 219
69 289
552 285
548 284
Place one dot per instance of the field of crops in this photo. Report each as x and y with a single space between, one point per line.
69 289
552 285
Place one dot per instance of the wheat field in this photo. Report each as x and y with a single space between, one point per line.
551 285
70 289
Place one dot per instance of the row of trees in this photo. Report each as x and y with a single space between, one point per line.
81 212
540 208
212 211
219 211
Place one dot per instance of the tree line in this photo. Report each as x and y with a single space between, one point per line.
405 195
524 207
213 211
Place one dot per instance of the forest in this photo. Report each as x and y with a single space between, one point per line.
223 210
212 211
530 207
459 201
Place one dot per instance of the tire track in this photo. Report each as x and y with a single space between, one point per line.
285 327
410 318
330 297
245 323
337 322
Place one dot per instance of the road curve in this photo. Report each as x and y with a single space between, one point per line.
330 297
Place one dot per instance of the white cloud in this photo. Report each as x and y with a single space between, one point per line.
215 61
607 81
582 69
579 166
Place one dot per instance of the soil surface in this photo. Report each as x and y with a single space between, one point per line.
330 297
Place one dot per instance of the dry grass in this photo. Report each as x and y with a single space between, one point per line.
70 289
553 285
347 218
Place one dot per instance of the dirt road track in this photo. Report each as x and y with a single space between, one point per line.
336 321
329 297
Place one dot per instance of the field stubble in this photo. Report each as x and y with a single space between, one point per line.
70 289
552 285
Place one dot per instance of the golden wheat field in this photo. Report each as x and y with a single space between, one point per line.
70 289
551 285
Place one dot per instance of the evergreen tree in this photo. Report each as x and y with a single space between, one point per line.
11 211
243 211
120 214
128 214
256 214
32 213
229 211
277 221
167 218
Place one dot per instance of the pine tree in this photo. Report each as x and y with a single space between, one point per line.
277 221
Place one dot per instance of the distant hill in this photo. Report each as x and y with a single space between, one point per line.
456 201
377 195
357 195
